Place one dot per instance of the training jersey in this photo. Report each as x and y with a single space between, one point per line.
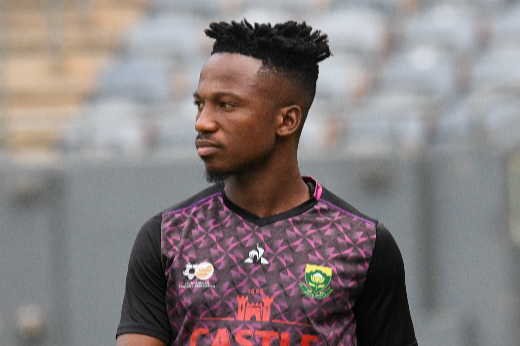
209 273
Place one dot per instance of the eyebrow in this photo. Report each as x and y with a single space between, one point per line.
219 95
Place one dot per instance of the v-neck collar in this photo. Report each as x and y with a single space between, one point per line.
314 188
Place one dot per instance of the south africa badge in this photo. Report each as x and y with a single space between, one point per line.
317 280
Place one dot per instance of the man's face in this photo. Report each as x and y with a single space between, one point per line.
235 115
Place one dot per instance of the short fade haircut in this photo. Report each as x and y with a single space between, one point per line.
290 49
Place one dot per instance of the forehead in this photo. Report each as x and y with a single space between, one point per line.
231 72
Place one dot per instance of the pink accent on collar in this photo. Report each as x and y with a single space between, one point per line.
318 190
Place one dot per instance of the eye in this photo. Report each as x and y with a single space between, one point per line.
226 106
199 105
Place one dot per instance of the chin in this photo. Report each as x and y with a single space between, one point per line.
215 176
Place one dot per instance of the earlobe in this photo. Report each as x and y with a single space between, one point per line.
289 120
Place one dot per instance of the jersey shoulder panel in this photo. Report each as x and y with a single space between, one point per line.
358 229
327 196
208 192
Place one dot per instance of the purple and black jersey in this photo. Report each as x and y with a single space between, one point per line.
209 273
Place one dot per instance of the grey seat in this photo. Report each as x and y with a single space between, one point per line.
145 81
506 26
390 7
341 78
177 125
108 126
448 26
498 68
354 30
166 35
194 7
424 70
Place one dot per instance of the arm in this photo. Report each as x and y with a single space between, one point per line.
138 340
381 310
144 308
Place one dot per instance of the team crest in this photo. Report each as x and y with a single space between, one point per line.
317 280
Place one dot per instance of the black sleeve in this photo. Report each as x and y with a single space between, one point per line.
144 308
381 310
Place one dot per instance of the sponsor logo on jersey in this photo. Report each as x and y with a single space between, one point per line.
259 311
256 256
317 280
202 271
249 309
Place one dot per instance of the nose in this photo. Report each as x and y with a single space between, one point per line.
204 121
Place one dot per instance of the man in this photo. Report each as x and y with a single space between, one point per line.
265 256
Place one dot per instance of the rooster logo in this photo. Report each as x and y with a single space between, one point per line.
255 256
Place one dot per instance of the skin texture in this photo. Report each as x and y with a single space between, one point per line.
248 123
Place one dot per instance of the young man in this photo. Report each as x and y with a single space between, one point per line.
265 256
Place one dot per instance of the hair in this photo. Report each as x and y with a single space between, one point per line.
290 50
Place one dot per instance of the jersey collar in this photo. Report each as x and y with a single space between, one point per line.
315 190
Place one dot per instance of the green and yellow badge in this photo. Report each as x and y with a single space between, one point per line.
317 281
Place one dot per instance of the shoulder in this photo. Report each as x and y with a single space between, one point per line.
330 198
386 245
386 253
387 262
149 237
195 199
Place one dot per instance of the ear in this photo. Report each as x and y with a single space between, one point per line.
289 120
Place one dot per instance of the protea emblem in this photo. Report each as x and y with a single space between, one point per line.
317 280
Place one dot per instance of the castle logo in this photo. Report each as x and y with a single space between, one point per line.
261 311
317 280
258 311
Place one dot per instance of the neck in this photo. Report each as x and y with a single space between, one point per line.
265 193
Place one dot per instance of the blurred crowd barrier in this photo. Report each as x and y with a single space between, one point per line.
66 232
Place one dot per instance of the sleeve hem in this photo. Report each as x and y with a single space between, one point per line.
144 331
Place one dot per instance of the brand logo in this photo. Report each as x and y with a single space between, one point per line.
202 271
317 280
255 256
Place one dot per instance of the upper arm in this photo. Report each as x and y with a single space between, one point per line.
144 305
138 340
381 311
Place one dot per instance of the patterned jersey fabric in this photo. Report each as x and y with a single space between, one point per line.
209 273
289 282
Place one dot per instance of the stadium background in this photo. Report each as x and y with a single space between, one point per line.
416 121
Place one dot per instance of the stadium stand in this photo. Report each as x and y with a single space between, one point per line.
62 62
51 54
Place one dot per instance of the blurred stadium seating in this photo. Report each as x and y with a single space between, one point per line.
62 59
51 53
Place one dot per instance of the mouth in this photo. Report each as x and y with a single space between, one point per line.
206 147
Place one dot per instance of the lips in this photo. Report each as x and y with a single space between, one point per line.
206 147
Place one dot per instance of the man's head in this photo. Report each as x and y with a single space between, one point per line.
290 51
254 94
